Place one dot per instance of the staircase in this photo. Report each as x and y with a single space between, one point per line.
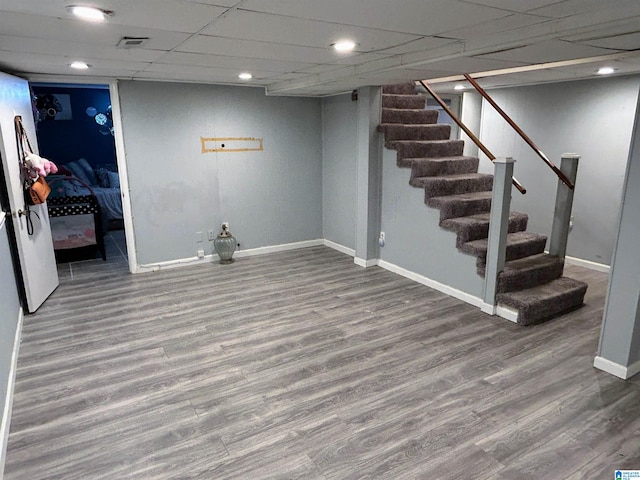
531 282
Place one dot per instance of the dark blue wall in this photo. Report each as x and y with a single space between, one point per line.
63 141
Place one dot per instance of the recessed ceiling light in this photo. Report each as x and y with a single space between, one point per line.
606 70
344 45
245 76
459 87
79 65
90 14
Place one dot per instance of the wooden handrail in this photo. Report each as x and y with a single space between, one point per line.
469 133
519 131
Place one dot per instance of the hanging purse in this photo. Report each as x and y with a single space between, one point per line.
36 189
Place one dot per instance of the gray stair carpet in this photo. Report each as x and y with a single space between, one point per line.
532 281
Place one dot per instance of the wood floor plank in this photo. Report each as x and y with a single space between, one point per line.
302 365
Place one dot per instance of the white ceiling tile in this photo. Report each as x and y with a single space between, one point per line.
298 31
629 42
410 16
504 24
470 65
49 28
171 15
218 3
515 5
420 45
193 77
201 71
570 8
549 51
253 49
76 49
238 63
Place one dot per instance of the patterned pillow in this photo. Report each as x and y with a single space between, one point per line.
102 174
114 180
78 171
88 170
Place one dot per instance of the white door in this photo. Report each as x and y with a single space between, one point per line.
35 251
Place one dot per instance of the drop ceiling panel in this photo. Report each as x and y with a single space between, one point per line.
38 59
297 31
515 5
218 3
198 71
238 63
420 45
549 51
409 16
628 42
78 50
470 65
195 78
108 34
173 15
253 49
504 24
570 8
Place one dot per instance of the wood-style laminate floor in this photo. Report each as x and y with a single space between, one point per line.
302 365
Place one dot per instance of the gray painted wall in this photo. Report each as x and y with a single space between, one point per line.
620 337
269 197
9 316
414 240
339 162
593 118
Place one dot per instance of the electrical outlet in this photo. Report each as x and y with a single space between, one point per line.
381 239
211 235
199 237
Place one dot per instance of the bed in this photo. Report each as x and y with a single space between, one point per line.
82 208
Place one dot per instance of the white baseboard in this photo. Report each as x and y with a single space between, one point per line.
507 313
277 248
600 267
340 248
361 262
181 262
616 369
5 422
441 287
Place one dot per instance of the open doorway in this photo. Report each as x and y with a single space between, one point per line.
74 127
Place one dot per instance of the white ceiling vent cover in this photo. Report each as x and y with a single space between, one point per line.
132 42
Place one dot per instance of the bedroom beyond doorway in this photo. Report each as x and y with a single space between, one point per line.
75 130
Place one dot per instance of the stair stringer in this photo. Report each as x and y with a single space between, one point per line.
416 246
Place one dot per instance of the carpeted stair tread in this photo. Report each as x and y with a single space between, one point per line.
426 148
408 116
400 88
528 272
461 205
453 184
475 227
401 131
403 101
545 301
431 167
531 281
519 245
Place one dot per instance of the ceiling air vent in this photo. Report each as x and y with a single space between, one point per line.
132 42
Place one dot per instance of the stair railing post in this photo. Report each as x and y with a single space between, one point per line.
498 229
564 204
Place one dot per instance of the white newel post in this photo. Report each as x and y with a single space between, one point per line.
564 204
498 229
